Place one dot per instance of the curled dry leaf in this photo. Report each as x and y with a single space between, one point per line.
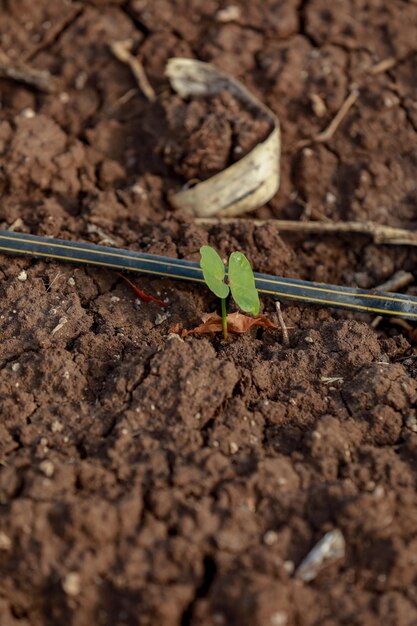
236 323
248 183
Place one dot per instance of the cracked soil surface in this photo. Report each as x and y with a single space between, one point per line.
150 481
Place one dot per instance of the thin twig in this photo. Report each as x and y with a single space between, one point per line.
285 338
380 233
328 132
123 99
398 281
61 323
52 281
383 66
122 52
388 63
22 73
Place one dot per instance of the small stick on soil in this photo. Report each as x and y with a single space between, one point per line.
383 66
22 73
380 233
328 132
60 324
122 52
387 64
285 338
402 324
397 281
123 99
52 281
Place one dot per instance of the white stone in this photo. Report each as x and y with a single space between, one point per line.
72 584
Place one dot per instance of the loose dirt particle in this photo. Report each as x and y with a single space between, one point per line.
47 468
5 542
270 538
233 447
72 584
279 619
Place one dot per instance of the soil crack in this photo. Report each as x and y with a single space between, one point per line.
202 591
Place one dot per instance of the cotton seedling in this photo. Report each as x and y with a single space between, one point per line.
240 281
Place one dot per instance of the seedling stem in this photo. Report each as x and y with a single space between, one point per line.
224 318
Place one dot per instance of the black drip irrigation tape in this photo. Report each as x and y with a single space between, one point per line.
375 302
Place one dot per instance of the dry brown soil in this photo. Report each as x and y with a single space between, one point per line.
151 481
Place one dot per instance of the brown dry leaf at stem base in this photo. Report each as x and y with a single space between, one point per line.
236 323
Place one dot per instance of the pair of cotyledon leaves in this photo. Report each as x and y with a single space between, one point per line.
241 281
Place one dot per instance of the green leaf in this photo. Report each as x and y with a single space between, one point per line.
242 283
213 271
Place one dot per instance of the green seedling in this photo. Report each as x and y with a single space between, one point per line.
240 281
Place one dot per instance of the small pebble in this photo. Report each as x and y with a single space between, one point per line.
230 13
15 367
5 542
28 113
289 567
309 339
330 198
81 80
233 447
71 281
175 336
57 426
318 105
279 619
72 584
22 276
115 299
410 421
161 317
379 492
270 537
47 468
